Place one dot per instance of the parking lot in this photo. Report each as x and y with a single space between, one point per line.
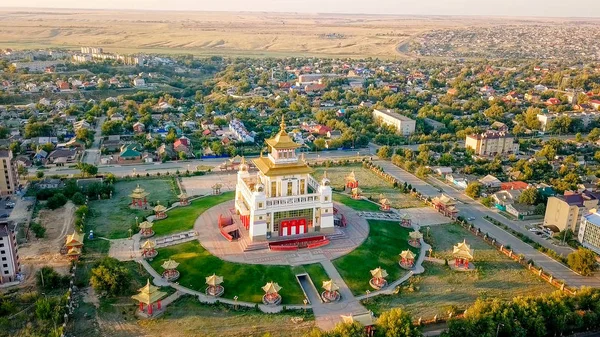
4 211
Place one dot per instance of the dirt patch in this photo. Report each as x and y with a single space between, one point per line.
46 251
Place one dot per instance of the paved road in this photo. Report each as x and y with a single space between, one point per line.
92 155
478 211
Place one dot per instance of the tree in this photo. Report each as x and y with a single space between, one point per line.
594 135
39 174
347 330
182 155
56 201
78 198
319 143
487 201
474 189
87 169
582 261
531 119
48 279
384 152
396 323
22 171
110 276
530 196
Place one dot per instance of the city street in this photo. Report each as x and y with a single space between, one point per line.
472 209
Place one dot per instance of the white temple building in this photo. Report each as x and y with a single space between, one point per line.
282 198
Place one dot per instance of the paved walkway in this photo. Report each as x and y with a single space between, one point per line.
210 237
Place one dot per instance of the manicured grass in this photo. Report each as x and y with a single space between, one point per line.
242 280
370 184
112 218
386 240
181 219
316 272
441 288
359 205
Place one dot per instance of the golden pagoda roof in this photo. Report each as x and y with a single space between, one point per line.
407 254
282 140
159 208
415 235
379 273
74 251
365 319
351 176
271 288
384 201
75 239
148 294
405 216
170 264
330 286
149 244
445 200
139 193
183 195
268 168
463 250
214 280
146 225
356 190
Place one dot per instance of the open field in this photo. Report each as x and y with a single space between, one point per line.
182 219
370 184
112 218
440 288
242 280
387 239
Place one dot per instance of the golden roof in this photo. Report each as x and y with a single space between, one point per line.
357 190
407 254
214 280
148 294
330 286
282 140
271 288
183 195
351 176
75 239
146 225
149 244
74 251
384 201
139 193
463 250
415 235
268 168
170 264
159 208
444 199
365 319
379 273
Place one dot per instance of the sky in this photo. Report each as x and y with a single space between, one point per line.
540 8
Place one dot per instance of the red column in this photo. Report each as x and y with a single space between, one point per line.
141 306
150 309
158 304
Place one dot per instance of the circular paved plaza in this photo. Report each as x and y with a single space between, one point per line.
342 242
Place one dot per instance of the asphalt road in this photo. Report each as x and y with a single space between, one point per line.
472 209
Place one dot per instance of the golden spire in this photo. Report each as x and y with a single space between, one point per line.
325 174
282 125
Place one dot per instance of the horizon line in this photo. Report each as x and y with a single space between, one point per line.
306 13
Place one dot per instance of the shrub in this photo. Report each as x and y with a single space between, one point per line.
56 201
48 279
37 229
78 198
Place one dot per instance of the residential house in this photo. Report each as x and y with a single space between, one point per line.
520 211
49 184
139 127
442 170
183 145
490 182
61 157
514 185
459 180
166 151
334 134
130 153
504 198
492 143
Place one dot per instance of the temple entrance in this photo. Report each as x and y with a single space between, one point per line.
293 227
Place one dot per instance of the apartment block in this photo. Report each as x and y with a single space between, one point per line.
9 257
404 125
492 143
565 211
8 173
589 231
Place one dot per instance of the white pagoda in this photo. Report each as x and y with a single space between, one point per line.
282 198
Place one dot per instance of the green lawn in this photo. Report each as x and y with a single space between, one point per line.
242 280
112 218
182 218
387 239
359 205
316 272
440 288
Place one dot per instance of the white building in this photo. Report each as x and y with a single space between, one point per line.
403 124
282 198
9 258
238 128
586 117
589 231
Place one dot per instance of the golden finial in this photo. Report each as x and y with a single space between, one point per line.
261 153
282 125
325 174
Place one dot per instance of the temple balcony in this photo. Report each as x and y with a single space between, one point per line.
295 200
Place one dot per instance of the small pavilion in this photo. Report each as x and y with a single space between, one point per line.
415 239
216 189
407 259
356 193
184 200
271 296
148 296
171 273
214 285
146 229
160 211
74 253
351 181
331 292
149 249
405 221
377 280
462 253
384 204
74 240
365 319
139 198
445 205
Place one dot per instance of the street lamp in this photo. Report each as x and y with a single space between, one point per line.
498 328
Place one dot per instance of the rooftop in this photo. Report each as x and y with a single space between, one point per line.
393 114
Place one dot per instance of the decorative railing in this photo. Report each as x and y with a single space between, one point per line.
246 191
313 183
292 200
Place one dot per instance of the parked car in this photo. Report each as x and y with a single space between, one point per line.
4 216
